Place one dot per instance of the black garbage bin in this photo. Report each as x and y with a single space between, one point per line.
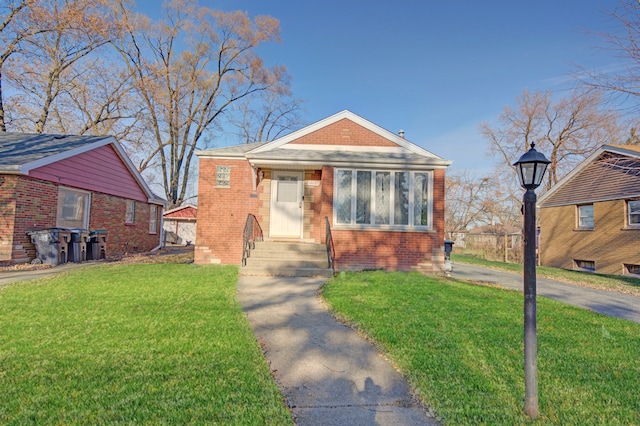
97 246
448 248
52 245
78 245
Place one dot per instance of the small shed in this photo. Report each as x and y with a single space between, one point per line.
180 225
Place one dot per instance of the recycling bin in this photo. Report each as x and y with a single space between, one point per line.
78 245
97 246
52 245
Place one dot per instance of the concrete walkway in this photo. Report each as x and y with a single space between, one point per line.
326 371
610 303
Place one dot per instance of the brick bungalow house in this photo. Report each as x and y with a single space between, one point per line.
382 196
79 182
590 220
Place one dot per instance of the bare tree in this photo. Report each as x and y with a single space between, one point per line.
273 114
17 25
566 130
622 80
189 69
58 38
473 201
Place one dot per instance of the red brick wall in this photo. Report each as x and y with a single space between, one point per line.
36 206
393 250
344 132
222 212
108 212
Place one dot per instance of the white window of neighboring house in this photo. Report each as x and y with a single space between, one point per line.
153 219
383 198
633 213
130 214
585 216
73 208
223 176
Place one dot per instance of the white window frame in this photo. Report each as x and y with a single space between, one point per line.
82 207
153 219
391 225
130 212
581 217
633 213
223 176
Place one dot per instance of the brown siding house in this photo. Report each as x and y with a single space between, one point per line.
590 220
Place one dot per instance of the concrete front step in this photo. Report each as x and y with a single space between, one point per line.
295 261
287 259
287 272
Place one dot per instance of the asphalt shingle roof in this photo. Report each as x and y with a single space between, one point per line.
18 149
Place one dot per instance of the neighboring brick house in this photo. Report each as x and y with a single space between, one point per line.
78 182
179 225
590 220
383 195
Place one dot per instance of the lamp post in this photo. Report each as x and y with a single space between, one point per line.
530 167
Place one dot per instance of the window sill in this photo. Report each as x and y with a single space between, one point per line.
583 229
129 224
631 228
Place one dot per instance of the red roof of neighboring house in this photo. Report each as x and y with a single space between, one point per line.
187 211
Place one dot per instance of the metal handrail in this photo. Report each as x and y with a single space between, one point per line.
331 253
252 233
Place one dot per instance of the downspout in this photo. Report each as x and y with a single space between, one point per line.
161 233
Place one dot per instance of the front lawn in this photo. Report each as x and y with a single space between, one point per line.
133 344
461 346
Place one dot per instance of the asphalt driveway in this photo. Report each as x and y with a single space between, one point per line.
605 302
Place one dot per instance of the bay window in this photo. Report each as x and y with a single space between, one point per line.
381 198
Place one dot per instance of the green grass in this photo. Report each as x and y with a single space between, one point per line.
133 344
619 283
461 346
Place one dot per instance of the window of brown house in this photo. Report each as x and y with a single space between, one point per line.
585 216
633 213
632 269
584 265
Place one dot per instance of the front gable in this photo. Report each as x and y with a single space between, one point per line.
344 132
100 170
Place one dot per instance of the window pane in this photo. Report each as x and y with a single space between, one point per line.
153 219
363 197
287 191
343 202
585 216
420 200
633 207
401 204
383 200
73 209
130 214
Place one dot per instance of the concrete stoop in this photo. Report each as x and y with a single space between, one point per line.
287 259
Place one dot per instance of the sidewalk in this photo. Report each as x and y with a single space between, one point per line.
610 303
326 371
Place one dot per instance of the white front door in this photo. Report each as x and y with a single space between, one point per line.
286 204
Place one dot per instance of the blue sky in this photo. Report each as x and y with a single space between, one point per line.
433 69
